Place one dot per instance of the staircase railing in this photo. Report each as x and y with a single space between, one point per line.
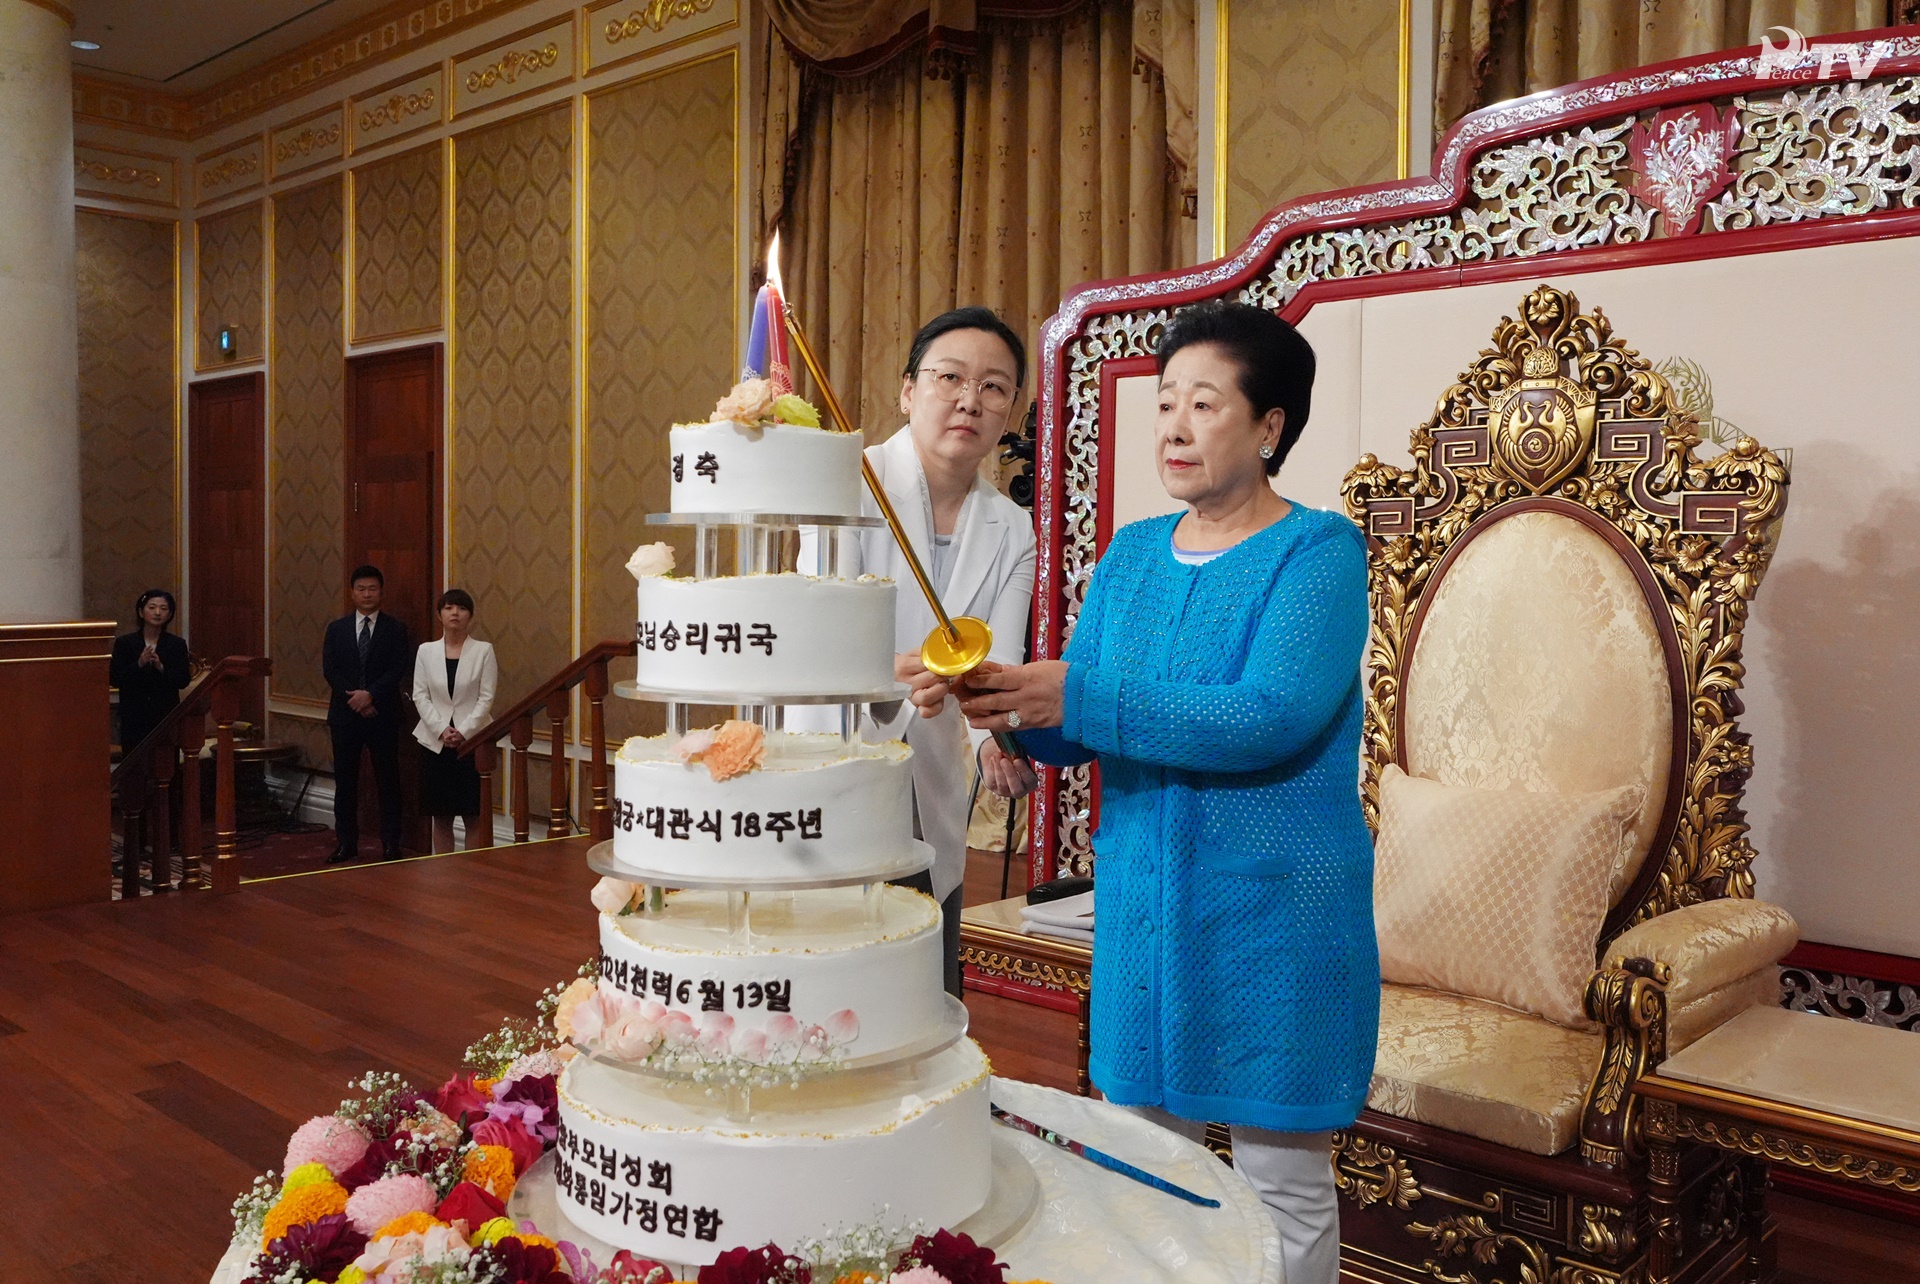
516 726
143 778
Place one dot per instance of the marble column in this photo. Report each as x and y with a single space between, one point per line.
39 433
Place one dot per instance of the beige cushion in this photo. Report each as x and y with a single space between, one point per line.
1497 894
1709 944
1538 667
1481 1069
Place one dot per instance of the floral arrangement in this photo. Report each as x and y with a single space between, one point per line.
398 1186
651 559
731 749
754 403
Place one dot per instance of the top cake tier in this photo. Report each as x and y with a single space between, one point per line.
780 468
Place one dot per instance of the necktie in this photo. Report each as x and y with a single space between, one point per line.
366 637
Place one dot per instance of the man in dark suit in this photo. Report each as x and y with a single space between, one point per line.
366 656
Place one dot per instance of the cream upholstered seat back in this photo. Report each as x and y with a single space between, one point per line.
1537 665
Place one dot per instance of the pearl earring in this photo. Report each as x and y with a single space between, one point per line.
1266 452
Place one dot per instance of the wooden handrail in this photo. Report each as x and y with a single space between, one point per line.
142 780
516 725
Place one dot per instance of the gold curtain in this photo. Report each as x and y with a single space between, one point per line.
1490 50
1044 163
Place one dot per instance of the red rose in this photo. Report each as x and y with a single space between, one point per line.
471 1204
956 1257
458 1098
768 1265
517 1262
512 1134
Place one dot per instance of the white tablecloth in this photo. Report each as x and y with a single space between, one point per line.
1093 1226
1097 1227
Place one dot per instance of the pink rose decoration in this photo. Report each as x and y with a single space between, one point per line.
716 1034
689 747
379 1202
750 402
918 1275
328 1140
570 999
782 1028
652 1010
590 1020
843 1026
631 1038
676 1026
750 1045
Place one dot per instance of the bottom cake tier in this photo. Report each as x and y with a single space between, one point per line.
653 1166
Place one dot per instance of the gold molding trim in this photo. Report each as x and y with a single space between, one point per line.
309 142
544 55
164 171
600 34
1222 124
390 33
1782 1147
418 94
1403 119
1371 1172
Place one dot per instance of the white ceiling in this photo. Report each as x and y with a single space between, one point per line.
184 46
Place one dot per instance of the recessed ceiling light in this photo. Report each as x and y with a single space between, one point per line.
87 45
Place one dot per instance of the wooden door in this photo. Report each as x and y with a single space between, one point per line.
226 608
393 498
393 478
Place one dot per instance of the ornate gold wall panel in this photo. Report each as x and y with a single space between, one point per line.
512 493
660 245
128 504
228 272
1312 101
306 471
398 245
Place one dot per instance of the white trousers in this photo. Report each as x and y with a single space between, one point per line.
1293 1174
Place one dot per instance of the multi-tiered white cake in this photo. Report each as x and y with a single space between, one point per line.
771 1055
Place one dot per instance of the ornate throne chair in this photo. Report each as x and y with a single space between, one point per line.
1554 773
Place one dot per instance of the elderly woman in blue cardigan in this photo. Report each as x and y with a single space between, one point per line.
1214 672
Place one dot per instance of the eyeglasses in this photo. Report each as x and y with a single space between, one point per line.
950 385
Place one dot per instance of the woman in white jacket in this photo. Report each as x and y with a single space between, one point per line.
453 682
960 390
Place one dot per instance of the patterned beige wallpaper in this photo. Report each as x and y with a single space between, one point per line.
308 426
232 253
660 247
513 391
128 508
1312 101
398 245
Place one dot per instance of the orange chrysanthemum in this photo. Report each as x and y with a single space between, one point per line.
408 1224
858 1277
491 1169
536 1241
301 1205
738 747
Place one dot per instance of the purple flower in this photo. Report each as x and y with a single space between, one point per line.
321 1248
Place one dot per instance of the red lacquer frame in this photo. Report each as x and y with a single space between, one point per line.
1707 79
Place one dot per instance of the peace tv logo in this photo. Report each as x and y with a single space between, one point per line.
1796 58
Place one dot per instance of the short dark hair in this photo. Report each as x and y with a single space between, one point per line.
1276 363
140 606
974 318
367 571
455 597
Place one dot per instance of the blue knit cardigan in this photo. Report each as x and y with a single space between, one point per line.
1235 975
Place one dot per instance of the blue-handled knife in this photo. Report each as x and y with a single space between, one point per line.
1100 1157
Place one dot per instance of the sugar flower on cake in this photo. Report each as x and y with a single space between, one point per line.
789 408
614 896
731 749
748 402
651 559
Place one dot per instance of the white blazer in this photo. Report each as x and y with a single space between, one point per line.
468 706
992 580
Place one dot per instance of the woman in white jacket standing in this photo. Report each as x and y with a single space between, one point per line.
960 391
453 683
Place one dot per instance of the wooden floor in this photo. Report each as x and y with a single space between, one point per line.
155 1055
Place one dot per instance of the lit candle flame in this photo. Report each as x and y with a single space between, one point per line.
773 265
